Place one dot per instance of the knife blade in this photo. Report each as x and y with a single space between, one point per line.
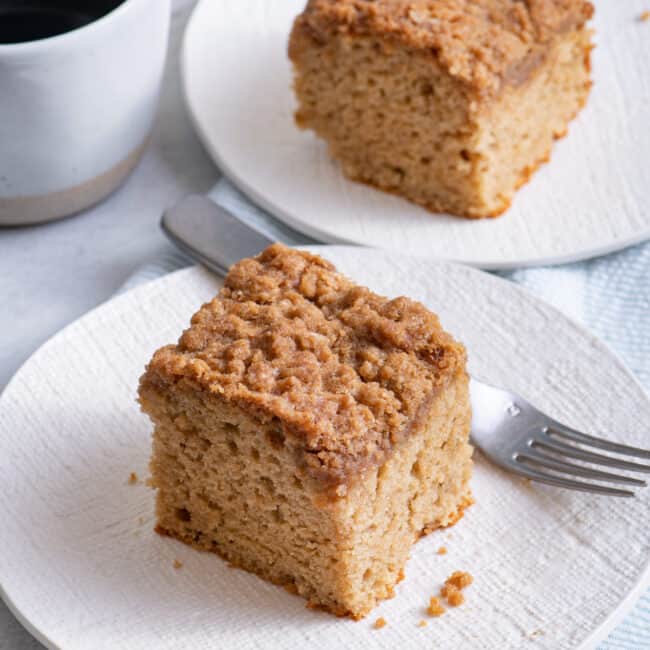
210 234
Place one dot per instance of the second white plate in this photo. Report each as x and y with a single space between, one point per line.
591 198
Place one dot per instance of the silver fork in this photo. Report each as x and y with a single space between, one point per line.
516 436
509 430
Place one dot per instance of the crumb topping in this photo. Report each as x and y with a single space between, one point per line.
480 42
343 371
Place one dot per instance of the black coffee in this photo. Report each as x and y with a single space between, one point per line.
31 20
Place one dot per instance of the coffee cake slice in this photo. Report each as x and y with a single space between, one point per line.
309 430
448 103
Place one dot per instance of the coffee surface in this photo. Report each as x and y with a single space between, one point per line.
32 20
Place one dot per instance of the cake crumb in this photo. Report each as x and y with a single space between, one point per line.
459 579
422 623
453 595
451 590
442 550
644 17
435 608
133 478
379 623
177 564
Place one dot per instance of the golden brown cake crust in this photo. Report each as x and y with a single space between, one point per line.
344 372
479 42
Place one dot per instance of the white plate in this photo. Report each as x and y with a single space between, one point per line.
590 200
82 568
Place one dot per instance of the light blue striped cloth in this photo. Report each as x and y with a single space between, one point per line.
610 295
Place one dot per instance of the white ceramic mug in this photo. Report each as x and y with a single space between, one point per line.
76 110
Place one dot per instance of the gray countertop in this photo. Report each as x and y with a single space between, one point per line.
52 274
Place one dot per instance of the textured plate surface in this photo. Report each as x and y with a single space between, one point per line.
82 567
591 199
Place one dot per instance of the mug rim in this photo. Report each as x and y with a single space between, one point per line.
30 47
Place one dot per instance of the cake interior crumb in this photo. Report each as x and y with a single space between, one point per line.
422 623
379 623
177 564
133 478
435 608
442 550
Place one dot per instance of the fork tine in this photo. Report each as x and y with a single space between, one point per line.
563 448
600 443
578 470
580 486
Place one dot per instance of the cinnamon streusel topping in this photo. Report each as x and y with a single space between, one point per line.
342 371
480 42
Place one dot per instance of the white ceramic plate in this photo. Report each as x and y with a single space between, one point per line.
590 200
81 566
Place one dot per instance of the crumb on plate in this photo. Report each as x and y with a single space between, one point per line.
644 17
453 595
133 478
422 623
459 579
442 550
177 564
451 590
435 608
379 623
